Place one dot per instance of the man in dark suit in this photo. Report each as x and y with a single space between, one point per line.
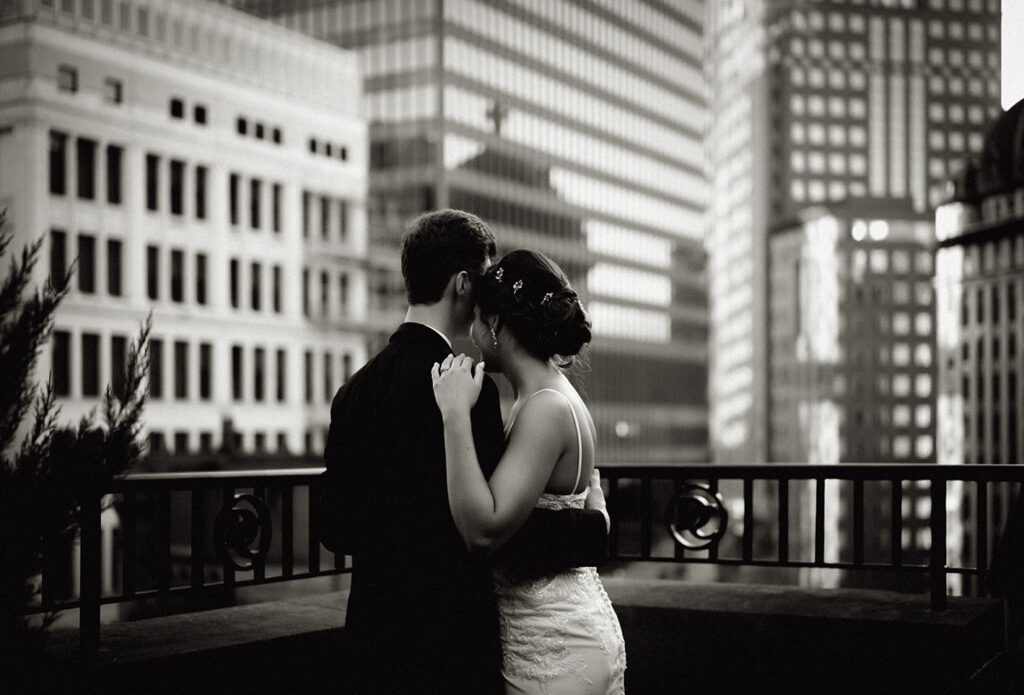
422 616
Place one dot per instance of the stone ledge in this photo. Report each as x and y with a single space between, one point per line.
680 637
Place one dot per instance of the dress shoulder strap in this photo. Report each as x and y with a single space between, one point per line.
579 433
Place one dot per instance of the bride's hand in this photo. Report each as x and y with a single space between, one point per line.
457 384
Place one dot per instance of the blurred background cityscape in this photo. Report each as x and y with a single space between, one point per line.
798 226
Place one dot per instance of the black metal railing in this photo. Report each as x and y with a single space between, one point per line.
193 534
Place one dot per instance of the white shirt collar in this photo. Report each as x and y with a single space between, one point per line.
438 332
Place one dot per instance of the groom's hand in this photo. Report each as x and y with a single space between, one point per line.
595 498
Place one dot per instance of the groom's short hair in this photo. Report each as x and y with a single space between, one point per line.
440 244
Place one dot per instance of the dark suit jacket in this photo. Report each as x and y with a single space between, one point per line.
421 614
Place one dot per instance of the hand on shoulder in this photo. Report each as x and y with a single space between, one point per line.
457 384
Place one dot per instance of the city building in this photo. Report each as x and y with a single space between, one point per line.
204 166
813 103
852 357
980 292
573 128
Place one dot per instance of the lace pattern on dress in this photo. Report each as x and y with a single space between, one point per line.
549 626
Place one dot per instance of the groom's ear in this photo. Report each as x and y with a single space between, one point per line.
463 283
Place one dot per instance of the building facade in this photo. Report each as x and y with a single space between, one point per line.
853 367
573 128
208 168
980 292
815 103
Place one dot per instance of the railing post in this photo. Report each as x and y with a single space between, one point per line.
91 568
937 556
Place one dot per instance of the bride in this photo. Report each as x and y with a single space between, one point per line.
559 633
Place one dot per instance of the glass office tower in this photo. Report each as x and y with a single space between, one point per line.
818 102
573 128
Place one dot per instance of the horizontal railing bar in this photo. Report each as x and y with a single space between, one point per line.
993 472
909 569
185 589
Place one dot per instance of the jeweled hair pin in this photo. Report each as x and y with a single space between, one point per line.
546 298
516 286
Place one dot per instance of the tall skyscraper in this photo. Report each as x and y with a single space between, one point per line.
192 162
817 102
980 293
573 128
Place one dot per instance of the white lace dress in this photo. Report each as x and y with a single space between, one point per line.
560 634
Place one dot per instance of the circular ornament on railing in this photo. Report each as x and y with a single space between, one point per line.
696 517
237 528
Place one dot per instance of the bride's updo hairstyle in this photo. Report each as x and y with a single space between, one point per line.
532 297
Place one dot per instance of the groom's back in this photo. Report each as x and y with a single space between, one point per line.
421 611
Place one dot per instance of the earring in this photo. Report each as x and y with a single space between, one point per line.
494 338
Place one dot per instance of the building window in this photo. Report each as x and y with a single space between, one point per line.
308 371
282 442
67 79
201 278
276 290
177 275
177 108
260 442
275 211
343 219
199 114
152 182
115 160
259 372
281 376
233 272
118 362
277 136
86 263
114 267
256 286
346 366
61 363
242 126
325 217
307 202
325 302
156 368
305 291
201 192
177 186
153 272
113 91
58 159
312 145
58 257
255 186
259 131
343 292
328 377
236 372
90 364
233 198
180 370
86 159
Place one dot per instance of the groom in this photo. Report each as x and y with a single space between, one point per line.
422 616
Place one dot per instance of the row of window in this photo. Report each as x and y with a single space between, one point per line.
177 109
257 374
86 154
328 149
259 130
256 204
178 268
87 259
1002 304
257 442
67 81
326 279
327 212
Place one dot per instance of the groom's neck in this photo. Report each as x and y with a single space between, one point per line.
437 316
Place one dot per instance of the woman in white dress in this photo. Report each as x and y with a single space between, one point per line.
559 633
